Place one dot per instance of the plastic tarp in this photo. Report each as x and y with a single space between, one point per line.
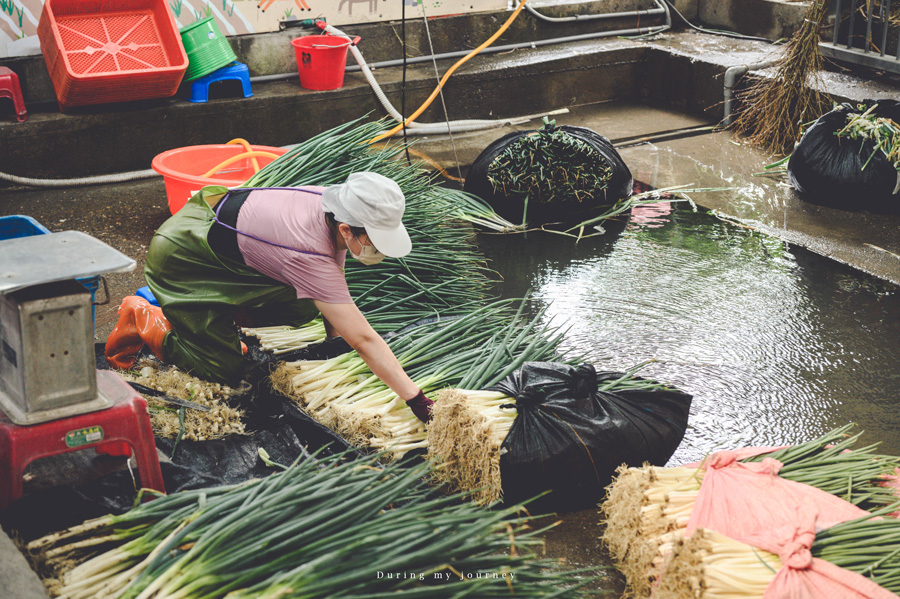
843 172
569 437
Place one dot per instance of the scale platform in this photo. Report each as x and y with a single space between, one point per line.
47 368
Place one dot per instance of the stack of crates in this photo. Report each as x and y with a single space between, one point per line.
99 51
13 227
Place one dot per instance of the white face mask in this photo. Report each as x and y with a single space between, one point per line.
368 255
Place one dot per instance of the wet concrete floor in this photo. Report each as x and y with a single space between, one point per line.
126 215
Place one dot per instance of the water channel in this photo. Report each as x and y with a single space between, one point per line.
777 344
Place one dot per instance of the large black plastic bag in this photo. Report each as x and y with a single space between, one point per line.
828 170
569 437
620 185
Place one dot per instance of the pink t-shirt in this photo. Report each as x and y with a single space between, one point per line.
293 218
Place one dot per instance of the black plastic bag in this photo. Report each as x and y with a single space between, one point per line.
619 186
569 437
828 170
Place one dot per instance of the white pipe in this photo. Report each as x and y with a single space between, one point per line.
732 74
610 15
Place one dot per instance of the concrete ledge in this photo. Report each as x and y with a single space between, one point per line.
16 577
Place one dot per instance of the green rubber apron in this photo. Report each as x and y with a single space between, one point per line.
200 293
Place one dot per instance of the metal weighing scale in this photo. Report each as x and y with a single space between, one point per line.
47 366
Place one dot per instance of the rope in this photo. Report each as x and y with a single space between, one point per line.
437 76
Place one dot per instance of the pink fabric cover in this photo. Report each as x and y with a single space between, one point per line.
803 576
750 503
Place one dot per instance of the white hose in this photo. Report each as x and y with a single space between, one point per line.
414 127
82 181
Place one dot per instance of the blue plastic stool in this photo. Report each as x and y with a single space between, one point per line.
236 70
145 293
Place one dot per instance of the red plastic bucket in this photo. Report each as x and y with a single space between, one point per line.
182 169
321 60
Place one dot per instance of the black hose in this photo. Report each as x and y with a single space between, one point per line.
730 34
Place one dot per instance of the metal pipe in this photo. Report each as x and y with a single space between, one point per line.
837 21
732 74
886 24
852 23
868 29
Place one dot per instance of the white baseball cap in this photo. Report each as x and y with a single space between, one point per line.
374 202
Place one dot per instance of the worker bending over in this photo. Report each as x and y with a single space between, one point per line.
265 257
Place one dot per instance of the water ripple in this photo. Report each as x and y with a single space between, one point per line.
776 344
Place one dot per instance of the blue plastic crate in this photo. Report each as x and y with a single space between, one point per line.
13 227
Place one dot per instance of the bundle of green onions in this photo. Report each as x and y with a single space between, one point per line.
328 158
464 438
468 428
548 166
280 339
647 507
318 529
710 565
471 351
882 132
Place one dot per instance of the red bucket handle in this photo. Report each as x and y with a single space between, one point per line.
350 42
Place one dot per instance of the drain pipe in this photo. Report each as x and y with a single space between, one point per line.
732 74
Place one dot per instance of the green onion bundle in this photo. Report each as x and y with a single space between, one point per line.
647 508
468 428
882 132
549 165
471 351
318 529
328 158
709 565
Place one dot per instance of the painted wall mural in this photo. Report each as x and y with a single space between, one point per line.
19 18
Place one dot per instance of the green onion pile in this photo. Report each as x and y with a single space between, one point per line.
549 165
321 528
883 133
472 351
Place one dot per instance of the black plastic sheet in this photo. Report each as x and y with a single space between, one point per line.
569 437
274 422
828 170
511 207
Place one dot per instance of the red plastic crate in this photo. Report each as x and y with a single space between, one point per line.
101 51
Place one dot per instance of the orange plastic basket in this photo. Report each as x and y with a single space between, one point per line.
101 51
182 169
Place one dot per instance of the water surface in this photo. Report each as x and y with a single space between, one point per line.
776 344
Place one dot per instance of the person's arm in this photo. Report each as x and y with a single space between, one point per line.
330 332
347 321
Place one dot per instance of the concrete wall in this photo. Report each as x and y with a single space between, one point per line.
771 19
